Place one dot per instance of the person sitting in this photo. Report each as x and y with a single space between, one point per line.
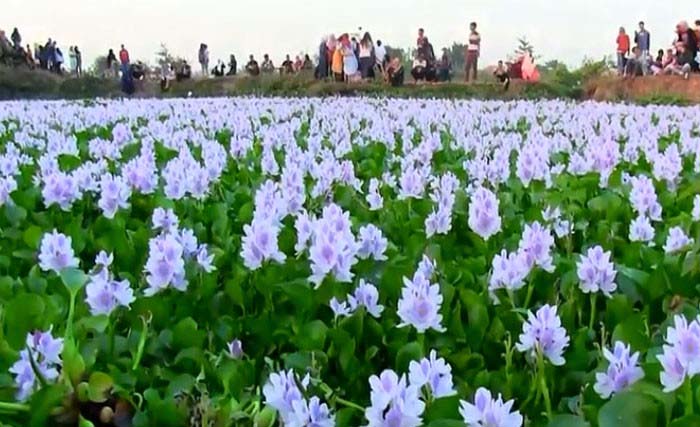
634 67
219 70
418 68
444 69
252 67
166 76
267 65
501 74
184 73
663 60
287 66
682 66
394 72
232 66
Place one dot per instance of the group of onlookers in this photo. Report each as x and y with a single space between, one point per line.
48 56
288 66
680 59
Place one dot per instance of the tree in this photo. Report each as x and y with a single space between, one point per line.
164 56
524 46
457 52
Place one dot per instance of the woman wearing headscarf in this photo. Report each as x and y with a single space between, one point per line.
322 68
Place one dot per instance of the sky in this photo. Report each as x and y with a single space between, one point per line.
567 30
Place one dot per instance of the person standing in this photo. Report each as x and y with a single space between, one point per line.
623 50
232 66
471 62
72 63
78 61
203 57
642 38
111 60
380 56
366 57
124 56
58 58
16 39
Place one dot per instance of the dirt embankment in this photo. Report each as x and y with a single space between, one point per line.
670 89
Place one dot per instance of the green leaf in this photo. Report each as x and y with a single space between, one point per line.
629 410
312 336
687 421
74 279
407 353
100 385
32 236
73 363
631 331
568 420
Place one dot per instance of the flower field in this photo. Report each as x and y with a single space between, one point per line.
349 262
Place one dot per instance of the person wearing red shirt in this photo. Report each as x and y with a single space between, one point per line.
623 49
124 56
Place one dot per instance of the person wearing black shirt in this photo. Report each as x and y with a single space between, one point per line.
287 66
252 67
232 66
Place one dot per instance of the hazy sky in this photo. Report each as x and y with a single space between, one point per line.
568 30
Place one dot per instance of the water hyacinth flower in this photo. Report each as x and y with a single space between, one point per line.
393 402
260 243
311 414
419 305
680 359
641 230
596 272
696 208
374 199
508 271
333 247
366 295
484 219
204 259
235 349
535 245
103 294
56 253
304 228
489 412
622 372
543 333
340 309
371 243
7 186
114 195
165 220
45 351
165 265
61 189
434 373
643 197
677 241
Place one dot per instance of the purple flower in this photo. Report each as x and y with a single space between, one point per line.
114 195
311 414
45 351
61 189
366 295
340 309
372 244
419 305
508 271
374 199
333 246
643 197
536 245
489 412
165 220
235 349
260 243
165 265
433 372
56 252
681 353
7 186
281 391
484 219
204 259
411 184
393 403
677 241
104 294
103 259
426 267
543 333
304 228
641 230
596 272
622 372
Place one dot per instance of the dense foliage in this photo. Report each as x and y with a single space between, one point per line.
381 262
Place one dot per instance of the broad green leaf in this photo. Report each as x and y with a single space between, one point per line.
566 420
629 409
74 279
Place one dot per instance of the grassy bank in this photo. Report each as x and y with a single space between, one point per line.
562 84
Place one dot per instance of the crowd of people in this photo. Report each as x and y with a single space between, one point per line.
680 58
